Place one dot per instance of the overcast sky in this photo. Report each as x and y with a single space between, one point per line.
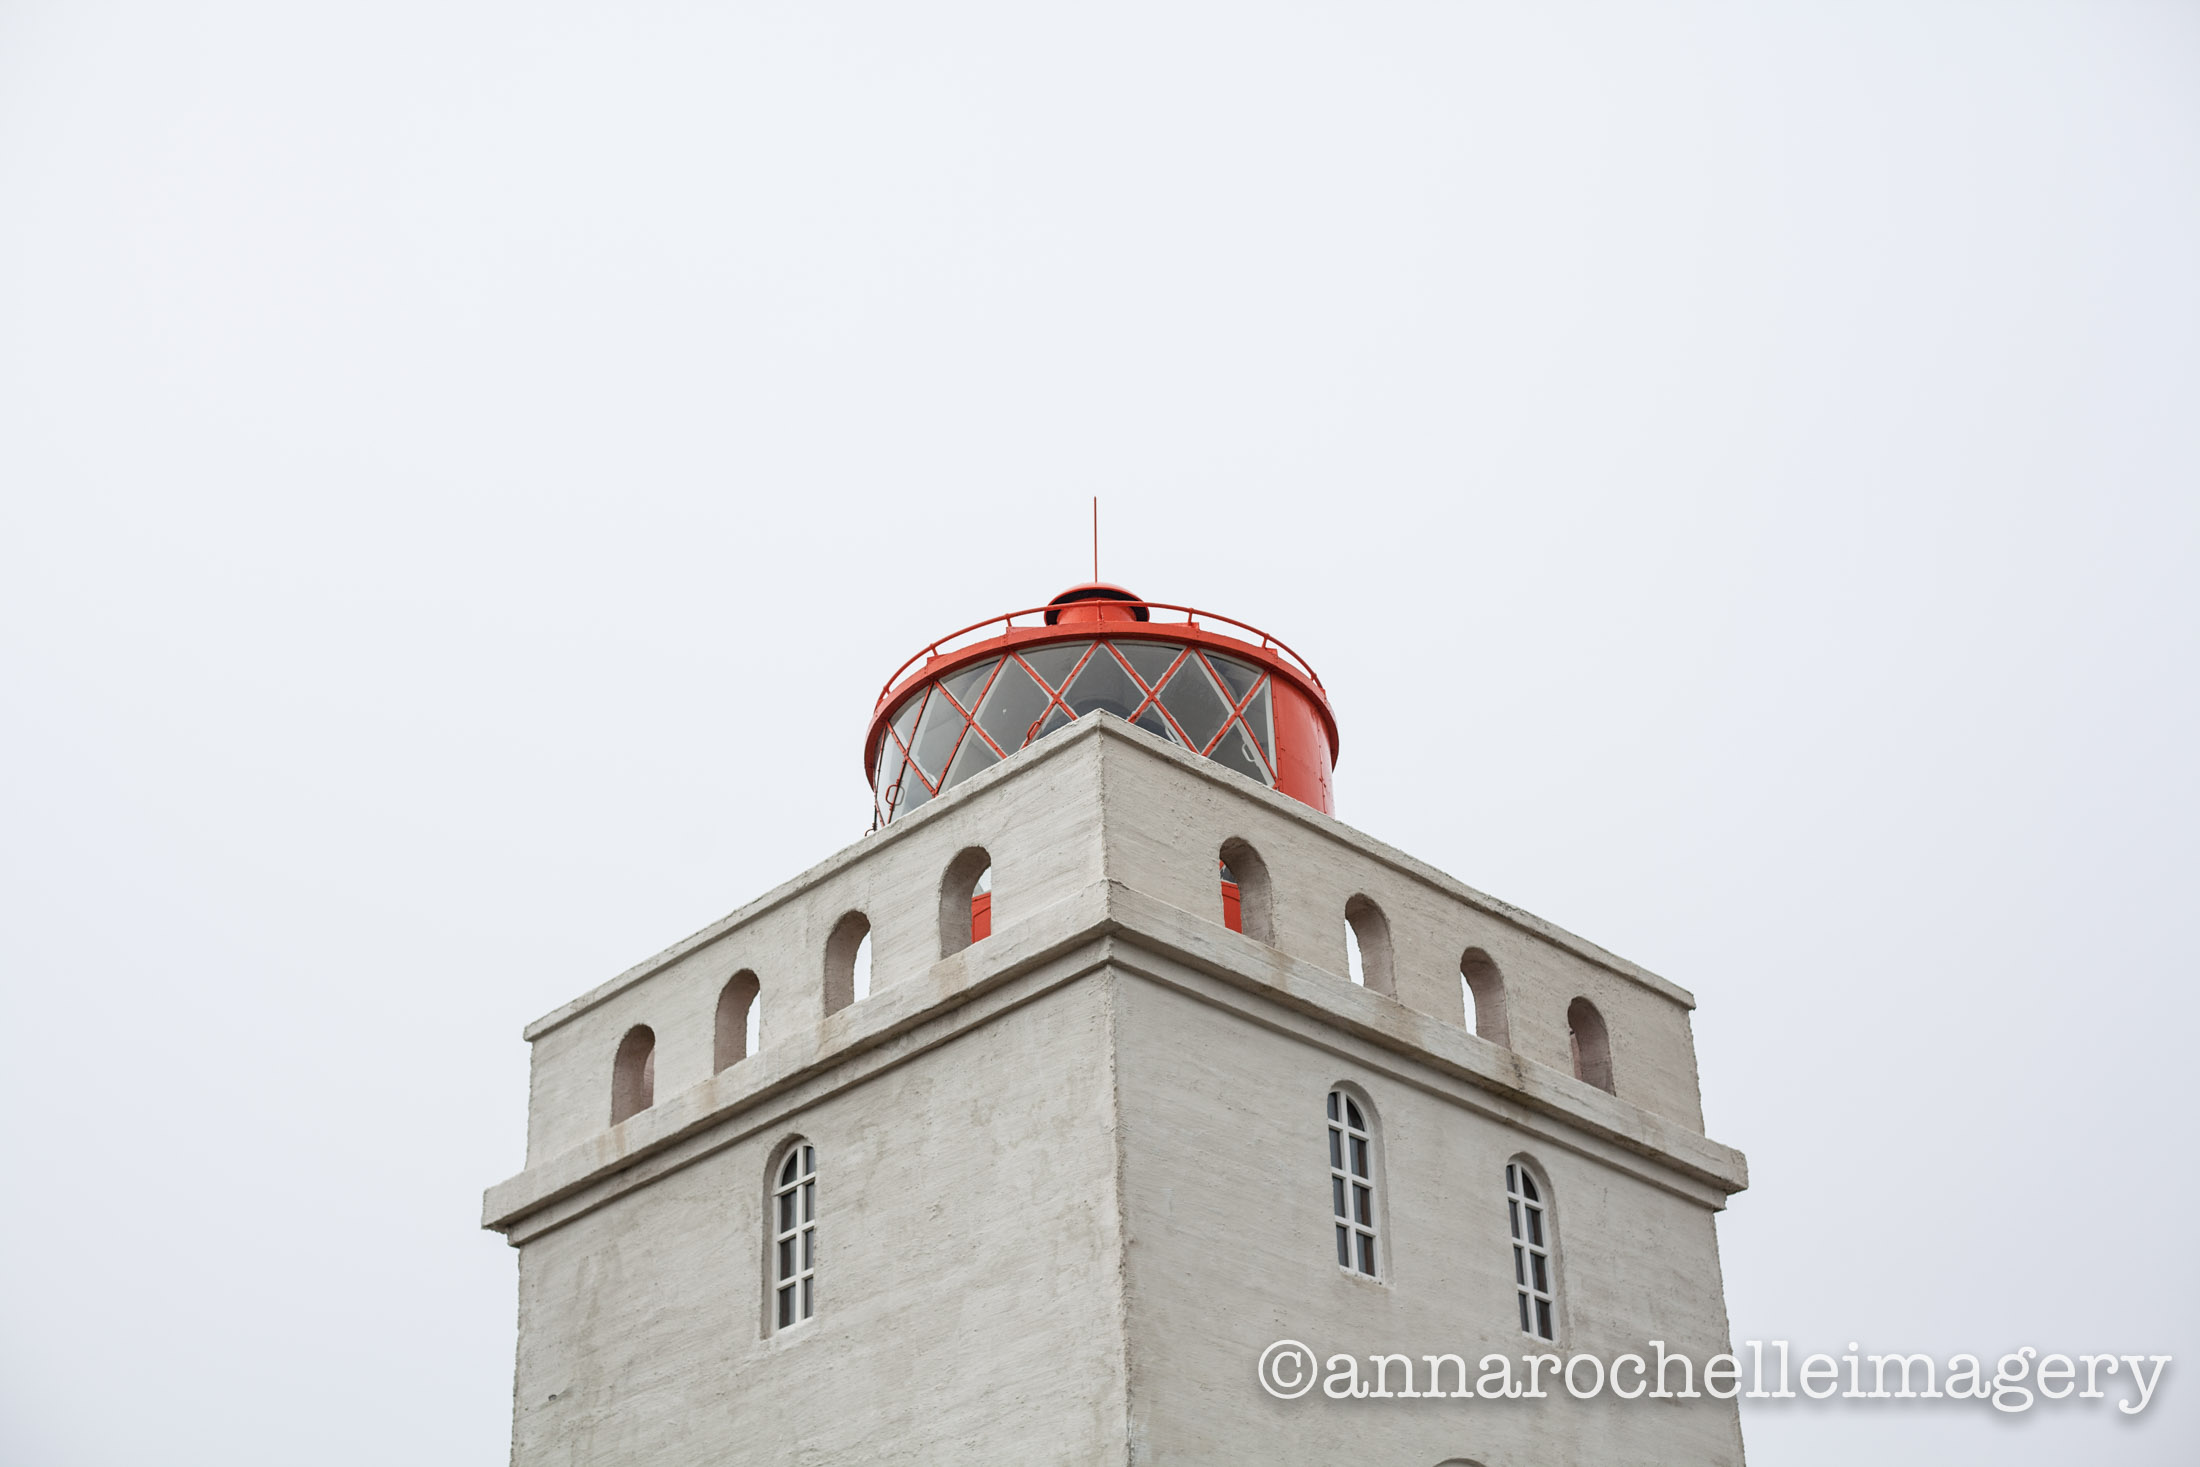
466 468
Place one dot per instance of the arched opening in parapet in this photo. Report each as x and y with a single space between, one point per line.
1482 995
848 962
1592 1044
735 1033
1247 900
1367 946
966 901
634 1073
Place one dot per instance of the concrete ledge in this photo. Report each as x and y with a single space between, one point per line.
1106 924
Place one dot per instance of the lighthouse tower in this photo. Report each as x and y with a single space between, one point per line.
1019 1130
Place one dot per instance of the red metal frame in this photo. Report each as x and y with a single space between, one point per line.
1007 619
939 660
1263 747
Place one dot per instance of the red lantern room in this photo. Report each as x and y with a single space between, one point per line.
1216 686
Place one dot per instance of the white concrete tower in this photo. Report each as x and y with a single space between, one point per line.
831 1181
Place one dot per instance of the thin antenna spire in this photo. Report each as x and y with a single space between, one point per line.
1096 538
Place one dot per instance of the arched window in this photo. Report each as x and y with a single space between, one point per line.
1482 994
794 1237
848 962
1592 1044
1246 900
1352 1184
966 901
734 1037
1367 946
634 1073
1535 1273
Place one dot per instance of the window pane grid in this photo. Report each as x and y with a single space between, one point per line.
1211 703
1532 1269
794 1237
1352 1186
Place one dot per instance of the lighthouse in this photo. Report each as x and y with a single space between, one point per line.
1107 1062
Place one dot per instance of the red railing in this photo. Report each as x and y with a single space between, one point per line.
1095 628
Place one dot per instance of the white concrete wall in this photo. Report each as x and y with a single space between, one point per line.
1226 1185
981 1301
968 1289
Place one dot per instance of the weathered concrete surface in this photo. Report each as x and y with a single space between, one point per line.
966 1200
1072 1175
1225 1185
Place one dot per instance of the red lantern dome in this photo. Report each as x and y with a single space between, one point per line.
1218 687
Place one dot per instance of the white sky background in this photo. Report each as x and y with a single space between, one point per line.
465 469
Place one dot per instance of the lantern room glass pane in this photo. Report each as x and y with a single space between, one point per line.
890 768
1054 664
906 719
1104 686
973 756
1260 718
1236 752
1193 702
913 791
1152 722
965 686
1237 676
937 732
1055 718
1012 705
1150 660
